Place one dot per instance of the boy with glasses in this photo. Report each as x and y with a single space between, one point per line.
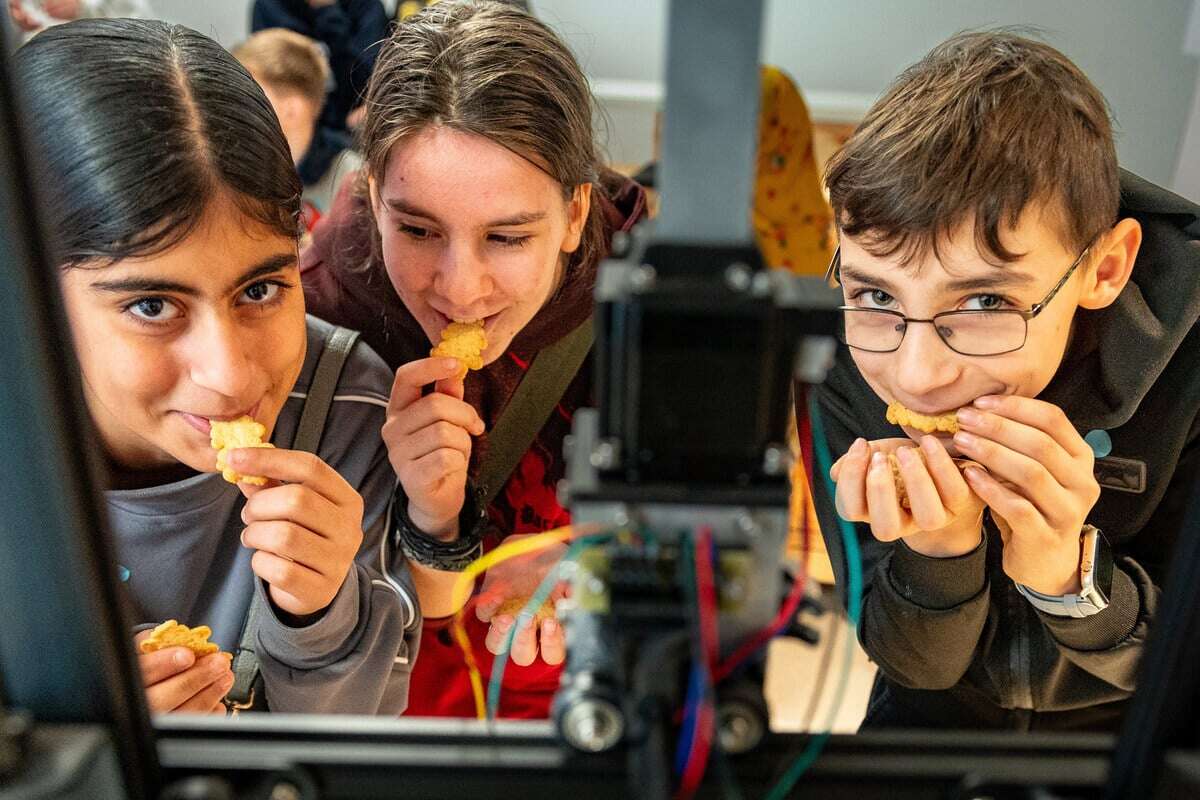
1025 312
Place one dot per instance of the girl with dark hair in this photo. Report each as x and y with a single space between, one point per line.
175 204
482 199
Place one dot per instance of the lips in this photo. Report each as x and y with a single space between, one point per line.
201 421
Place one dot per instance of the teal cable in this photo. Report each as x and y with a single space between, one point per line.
853 610
529 612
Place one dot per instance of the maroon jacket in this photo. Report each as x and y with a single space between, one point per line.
346 284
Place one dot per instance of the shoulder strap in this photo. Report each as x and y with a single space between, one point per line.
338 344
532 403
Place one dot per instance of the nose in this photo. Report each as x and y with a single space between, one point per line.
463 278
218 355
924 363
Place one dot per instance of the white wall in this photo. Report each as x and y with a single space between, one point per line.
844 52
847 50
227 21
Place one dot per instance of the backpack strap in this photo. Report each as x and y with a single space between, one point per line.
246 692
539 392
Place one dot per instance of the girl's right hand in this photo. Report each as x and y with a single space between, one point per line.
429 442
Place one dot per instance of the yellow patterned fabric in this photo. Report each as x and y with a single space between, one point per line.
792 219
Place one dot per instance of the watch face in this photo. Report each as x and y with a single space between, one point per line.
1100 556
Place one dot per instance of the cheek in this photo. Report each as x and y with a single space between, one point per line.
128 373
409 267
528 276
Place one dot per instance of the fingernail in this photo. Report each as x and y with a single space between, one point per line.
964 439
878 460
858 447
906 455
502 623
987 401
929 444
182 658
549 626
449 364
969 416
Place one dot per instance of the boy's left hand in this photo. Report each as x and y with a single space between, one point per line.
305 524
1041 487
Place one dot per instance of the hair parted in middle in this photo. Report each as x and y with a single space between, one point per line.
489 69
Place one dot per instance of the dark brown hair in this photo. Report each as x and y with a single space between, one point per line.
140 125
492 70
287 61
986 124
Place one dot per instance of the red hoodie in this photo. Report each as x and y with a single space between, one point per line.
346 284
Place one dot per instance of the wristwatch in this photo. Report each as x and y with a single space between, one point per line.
1095 578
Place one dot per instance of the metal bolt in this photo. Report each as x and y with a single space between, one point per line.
775 459
746 524
593 725
642 279
605 454
761 286
739 727
620 517
286 791
738 276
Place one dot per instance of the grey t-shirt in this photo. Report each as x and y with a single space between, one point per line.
180 543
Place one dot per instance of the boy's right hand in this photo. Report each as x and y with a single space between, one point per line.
945 518
429 442
177 681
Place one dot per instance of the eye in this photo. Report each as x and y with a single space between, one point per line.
984 302
508 241
152 309
262 292
415 232
873 298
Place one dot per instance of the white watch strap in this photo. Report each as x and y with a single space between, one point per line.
1067 605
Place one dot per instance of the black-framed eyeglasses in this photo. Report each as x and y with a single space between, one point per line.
970 332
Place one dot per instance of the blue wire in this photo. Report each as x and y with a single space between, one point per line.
853 610
691 718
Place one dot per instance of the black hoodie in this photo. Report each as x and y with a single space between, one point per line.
956 645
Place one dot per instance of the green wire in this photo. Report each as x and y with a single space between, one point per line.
853 611
527 614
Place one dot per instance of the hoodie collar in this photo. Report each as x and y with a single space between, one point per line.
1119 352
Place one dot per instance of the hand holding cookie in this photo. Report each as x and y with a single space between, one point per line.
305 526
506 590
182 671
940 516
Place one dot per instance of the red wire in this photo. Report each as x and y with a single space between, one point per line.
706 607
706 591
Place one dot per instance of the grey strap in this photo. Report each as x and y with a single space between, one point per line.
309 429
539 392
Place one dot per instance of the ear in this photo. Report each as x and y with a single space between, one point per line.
577 215
1112 265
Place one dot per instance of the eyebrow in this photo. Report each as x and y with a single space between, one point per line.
522 218
154 285
1005 280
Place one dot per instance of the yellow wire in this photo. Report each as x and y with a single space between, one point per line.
466 582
